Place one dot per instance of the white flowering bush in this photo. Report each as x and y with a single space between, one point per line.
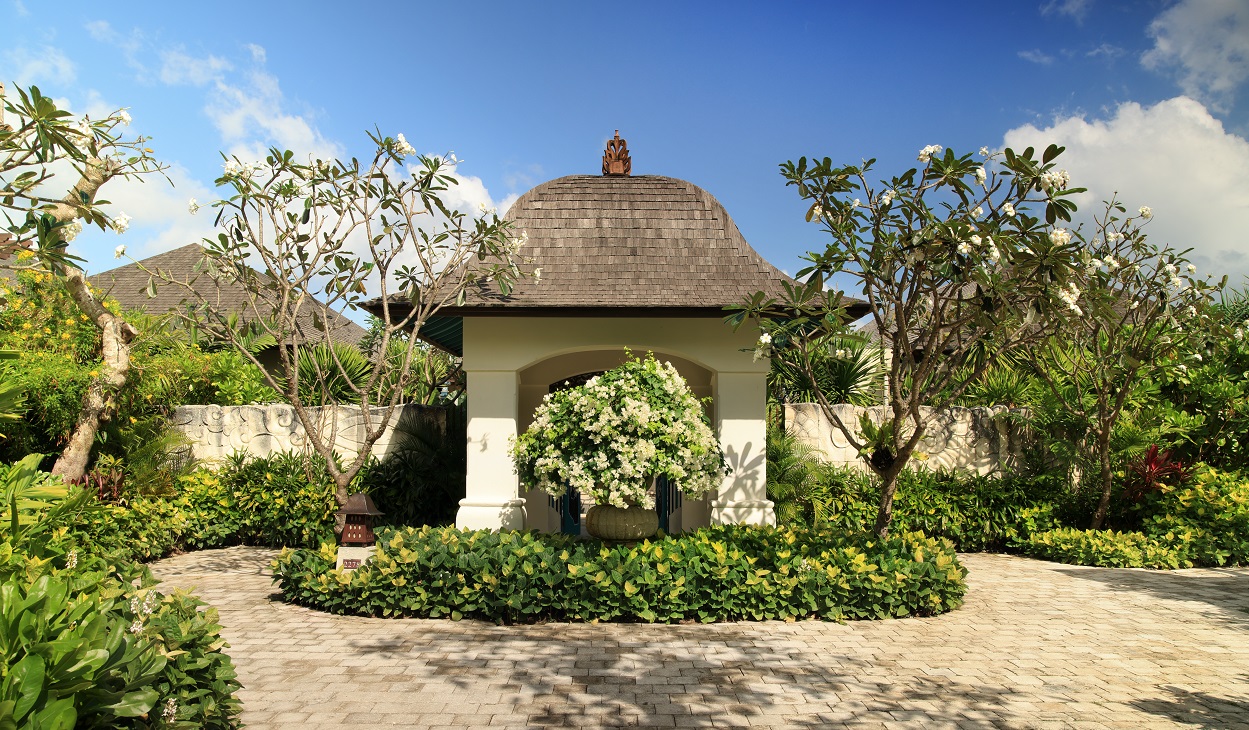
612 436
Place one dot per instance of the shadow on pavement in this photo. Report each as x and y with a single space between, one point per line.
1225 589
720 675
1199 709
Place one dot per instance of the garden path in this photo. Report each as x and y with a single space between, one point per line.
1038 645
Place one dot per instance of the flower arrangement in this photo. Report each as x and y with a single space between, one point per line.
612 436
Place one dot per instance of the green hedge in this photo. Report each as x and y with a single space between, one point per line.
973 512
714 574
276 501
1204 522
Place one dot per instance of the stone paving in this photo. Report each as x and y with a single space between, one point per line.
1038 645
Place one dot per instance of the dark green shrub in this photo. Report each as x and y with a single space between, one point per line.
973 512
284 499
714 574
421 479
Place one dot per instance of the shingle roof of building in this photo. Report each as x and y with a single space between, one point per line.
128 285
617 242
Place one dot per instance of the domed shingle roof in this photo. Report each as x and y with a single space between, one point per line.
616 242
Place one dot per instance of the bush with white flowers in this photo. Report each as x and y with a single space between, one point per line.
612 436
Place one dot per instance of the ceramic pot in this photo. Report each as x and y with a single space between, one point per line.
613 523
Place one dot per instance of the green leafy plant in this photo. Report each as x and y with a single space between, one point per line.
714 574
421 478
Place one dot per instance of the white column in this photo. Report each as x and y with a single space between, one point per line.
741 407
492 498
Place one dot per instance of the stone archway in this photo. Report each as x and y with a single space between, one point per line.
550 374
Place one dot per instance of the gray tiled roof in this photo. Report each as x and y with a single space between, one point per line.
128 285
629 242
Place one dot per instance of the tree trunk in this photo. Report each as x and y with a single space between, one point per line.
1103 505
888 487
100 403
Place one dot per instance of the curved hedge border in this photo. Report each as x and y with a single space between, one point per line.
714 574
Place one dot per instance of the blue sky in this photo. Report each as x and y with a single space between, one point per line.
1151 98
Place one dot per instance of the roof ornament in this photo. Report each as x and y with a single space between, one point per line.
616 160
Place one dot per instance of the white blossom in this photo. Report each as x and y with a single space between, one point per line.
1070 295
119 251
984 151
1146 212
192 206
170 713
1055 180
980 175
856 203
121 222
402 147
537 274
1192 269
887 197
71 230
926 154
817 213
1060 236
1008 209
124 117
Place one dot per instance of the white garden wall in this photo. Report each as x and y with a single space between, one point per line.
975 440
215 432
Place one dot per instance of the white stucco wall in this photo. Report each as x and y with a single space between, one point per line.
510 361
975 440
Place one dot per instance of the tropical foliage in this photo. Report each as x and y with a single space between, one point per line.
715 574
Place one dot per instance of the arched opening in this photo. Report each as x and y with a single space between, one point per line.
574 368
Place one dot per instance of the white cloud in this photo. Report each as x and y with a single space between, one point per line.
1076 9
179 68
46 64
1107 50
1036 56
1206 44
20 8
161 221
130 45
1173 156
251 116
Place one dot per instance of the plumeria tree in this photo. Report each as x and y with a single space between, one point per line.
40 143
1128 308
308 241
955 266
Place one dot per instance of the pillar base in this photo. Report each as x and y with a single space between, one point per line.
508 514
744 512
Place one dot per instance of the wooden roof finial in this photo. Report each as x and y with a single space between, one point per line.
616 160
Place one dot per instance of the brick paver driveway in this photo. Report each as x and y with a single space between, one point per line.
1038 645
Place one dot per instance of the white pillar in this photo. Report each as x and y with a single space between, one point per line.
492 498
741 409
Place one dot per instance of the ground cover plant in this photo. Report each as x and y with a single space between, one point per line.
86 639
1202 522
713 574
